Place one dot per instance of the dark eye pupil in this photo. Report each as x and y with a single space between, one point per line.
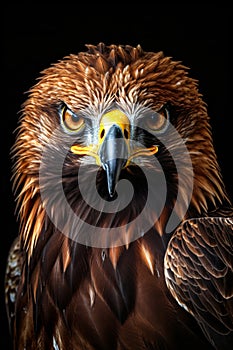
154 118
75 118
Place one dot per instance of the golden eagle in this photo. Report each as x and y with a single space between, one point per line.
126 229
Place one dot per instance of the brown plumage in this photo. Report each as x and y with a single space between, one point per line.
163 281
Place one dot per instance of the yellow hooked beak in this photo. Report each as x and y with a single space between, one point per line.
113 151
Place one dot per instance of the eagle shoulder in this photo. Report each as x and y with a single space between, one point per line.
198 268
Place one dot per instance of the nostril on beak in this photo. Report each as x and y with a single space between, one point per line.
126 134
102 133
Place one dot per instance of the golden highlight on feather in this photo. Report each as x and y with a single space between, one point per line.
114 254
65 255
147 258
92 295
35 281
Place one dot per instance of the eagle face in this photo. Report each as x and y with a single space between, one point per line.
93 156
113 157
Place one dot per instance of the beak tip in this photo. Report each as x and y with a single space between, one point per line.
112 169
111 193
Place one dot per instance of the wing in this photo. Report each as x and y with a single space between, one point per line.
12 279
199 274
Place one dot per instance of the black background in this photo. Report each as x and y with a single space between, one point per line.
34 36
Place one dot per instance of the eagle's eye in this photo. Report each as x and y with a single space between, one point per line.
71 121
156 122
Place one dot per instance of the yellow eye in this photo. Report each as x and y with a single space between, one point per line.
72 122
156 121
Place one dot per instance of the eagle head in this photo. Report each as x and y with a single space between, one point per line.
106 133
